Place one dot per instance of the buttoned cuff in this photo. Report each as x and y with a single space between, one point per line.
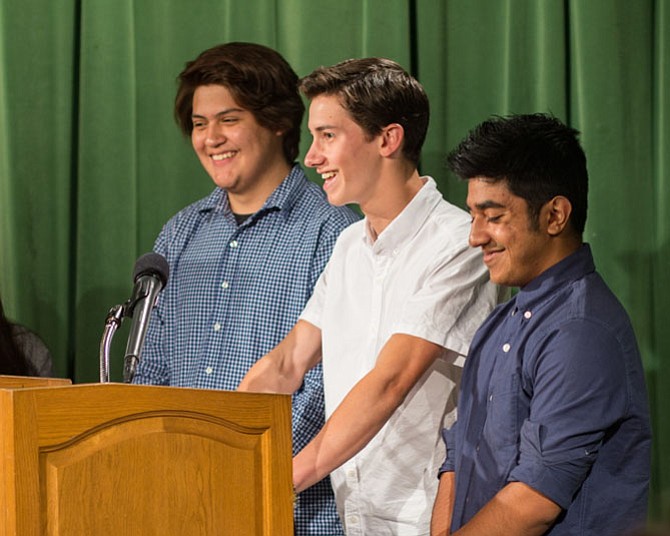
448 438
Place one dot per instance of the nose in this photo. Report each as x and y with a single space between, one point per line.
213 135
478 236
313 158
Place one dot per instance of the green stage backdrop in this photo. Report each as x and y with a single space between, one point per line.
92 164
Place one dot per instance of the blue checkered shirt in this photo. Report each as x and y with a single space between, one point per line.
234 293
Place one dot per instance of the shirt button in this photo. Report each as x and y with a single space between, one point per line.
209 370
234 244
225 285
527 315
351 473
506 347
353 520
217 327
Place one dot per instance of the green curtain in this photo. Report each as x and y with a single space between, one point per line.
92 164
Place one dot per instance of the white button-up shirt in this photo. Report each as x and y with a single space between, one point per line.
419 278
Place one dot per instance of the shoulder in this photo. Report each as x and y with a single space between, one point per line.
195 210
585 331
588 310
442 244
181 225
451 223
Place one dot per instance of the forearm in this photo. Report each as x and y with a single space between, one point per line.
516 510
346 432
366 408
268 375
283 368
440 523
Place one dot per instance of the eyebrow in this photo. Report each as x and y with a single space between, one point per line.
219 114
487 204
324 127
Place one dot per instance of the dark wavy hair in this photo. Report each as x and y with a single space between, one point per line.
260 80
376 92
12 360
535 154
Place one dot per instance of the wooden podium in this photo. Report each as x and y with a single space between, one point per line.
108 459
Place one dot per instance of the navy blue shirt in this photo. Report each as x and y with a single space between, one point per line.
234 293
553 395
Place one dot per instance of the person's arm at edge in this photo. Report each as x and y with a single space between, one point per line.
517 509
366 408
283 368
440 522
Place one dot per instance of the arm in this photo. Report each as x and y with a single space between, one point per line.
283 368
443 508
516 510
400 365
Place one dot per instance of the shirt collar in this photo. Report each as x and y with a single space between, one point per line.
573 267
282 199
406 224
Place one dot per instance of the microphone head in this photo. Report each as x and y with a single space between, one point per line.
151 264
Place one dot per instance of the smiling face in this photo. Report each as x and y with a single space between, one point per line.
345 157
241 156
515 251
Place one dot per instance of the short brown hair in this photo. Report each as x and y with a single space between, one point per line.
260 80
376 92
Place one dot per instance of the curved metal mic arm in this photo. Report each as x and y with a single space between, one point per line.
150 275
112 323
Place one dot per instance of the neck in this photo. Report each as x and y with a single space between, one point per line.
560 248
393 194
251 200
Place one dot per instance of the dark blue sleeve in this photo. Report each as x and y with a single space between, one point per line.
449 438
578 383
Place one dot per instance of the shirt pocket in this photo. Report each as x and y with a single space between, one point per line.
502 413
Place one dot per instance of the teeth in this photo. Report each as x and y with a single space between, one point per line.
223 156
329 175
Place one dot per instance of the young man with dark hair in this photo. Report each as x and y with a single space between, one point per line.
553 433
244 260
393 313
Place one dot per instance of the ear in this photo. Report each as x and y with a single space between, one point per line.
391 139
557 213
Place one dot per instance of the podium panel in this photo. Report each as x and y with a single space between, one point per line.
127 459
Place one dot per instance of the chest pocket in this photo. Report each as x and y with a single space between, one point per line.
502 413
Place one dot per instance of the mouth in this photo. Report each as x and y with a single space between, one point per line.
328 178
491 255
223 156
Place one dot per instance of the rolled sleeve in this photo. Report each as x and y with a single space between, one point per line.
449 438
558 479
580 376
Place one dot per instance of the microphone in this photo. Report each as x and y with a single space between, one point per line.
150 275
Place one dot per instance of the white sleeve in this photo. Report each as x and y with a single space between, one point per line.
452 301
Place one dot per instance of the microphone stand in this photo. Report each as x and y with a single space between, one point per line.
150 275
112 323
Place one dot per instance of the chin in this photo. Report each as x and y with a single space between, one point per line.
500 280
335 201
